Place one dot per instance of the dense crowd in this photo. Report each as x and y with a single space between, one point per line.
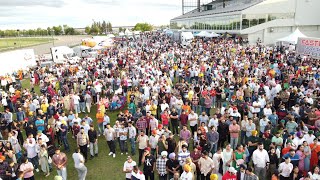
214 109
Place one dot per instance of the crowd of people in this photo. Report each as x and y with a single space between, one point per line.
215 109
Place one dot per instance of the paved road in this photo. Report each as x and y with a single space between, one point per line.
59 41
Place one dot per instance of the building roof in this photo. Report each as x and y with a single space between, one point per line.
230 6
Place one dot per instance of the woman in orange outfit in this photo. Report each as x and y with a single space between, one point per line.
315 148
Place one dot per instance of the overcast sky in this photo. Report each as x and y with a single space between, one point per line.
26 14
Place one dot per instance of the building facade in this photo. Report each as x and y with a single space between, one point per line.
267 20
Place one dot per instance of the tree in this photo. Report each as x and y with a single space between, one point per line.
94 28
120 29
49 30
87 30
143 27
69 31
109 27
57 30
104 27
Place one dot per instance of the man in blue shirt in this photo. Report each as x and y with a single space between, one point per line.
20 115
87 119
40 124
293 156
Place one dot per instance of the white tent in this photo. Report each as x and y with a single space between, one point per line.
97 47
111 36
128 32
207 34
213 34
81 47
121 34
293 37
137 32
202 34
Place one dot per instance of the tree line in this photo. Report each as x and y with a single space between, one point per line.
95 28
99 28
49 31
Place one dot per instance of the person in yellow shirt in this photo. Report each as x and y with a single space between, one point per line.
18 93
44 107
100 119
190 94
153 109
175 67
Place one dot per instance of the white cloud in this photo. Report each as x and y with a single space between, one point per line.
79 13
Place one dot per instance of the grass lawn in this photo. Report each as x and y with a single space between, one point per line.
103 167
15 43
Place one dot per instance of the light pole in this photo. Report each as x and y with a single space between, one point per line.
18 30
52 32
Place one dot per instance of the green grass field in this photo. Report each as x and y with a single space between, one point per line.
103 167
15 43
100 168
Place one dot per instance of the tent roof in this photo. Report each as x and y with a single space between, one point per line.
202 34
293 37
111 36
207 34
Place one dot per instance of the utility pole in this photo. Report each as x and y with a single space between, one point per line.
52 32
18 30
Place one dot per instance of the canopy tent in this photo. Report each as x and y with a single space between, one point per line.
213 34
13 61
121 34
207 34
81 47
137 32
169 32
97 47
202 34
111 36
227 35
106 43
127 32
293 37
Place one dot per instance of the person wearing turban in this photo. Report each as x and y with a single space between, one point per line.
213 177
186 175
253 142
172 165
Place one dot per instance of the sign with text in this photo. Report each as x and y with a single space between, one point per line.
309 46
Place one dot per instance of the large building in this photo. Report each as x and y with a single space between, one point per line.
267 20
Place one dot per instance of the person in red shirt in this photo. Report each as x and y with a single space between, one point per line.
213 94
231 174
286 149
183 119
165 118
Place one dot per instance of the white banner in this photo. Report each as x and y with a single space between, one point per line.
309 46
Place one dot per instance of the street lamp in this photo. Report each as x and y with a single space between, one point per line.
52 32
18 30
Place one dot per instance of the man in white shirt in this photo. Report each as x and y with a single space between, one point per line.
164 105
76 99
260 160
285 168
309 137
267 111
214 121
256 105
110 135
30 146
132 133
128 167
79 164
76 119
193 122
